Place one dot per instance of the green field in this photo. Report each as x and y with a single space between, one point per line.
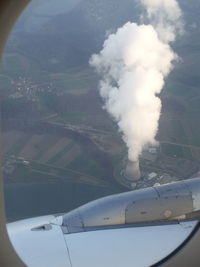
74 81
74 117
64 157
178 132
176 151
15 65
60 154
87 165
194 126
19 144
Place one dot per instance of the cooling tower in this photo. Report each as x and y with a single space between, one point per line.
132 171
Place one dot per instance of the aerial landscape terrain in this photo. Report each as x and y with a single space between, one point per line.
61 148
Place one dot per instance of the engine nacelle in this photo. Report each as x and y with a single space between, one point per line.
165 202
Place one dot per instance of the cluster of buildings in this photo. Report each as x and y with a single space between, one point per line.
24 87
10 163
149 170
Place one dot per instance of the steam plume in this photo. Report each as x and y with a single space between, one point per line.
133 64
165 16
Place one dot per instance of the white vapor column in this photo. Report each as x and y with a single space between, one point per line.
133 65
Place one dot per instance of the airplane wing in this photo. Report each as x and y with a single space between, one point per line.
137 228
139 245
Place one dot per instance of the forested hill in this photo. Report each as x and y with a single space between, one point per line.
66 34
71 36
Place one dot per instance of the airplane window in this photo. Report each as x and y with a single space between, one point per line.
62 147
100 98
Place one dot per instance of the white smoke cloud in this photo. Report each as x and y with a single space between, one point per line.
133 64
165 16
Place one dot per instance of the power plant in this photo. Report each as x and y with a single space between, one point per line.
132 172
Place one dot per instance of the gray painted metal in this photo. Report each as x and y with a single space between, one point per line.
161 203
144 208
193 186
74 223
165 202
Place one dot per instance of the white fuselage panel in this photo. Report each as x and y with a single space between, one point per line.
39 248
126 247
